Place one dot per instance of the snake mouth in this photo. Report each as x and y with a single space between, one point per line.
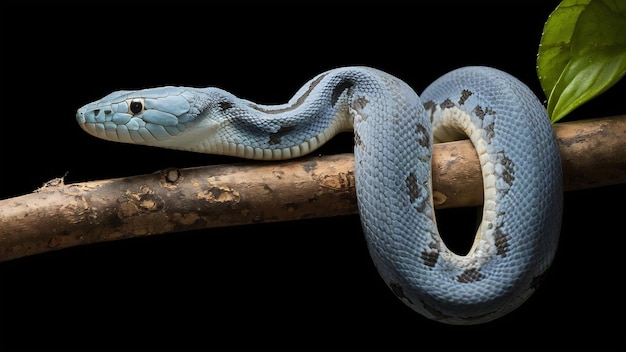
123 122
116 126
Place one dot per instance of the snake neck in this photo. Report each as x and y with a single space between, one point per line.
322 108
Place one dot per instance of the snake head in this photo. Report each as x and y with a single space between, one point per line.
154 116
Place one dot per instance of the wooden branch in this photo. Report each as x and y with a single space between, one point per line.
58 216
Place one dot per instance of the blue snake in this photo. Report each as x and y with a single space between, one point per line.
394 132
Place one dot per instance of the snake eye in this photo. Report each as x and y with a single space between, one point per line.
135 106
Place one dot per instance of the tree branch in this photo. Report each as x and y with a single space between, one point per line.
58 216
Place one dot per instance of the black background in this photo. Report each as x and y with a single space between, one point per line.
291 285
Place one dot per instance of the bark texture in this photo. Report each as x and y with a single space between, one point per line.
58 216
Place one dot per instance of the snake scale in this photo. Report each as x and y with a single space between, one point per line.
394 131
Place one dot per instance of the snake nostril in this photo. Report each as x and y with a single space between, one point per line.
106 112
96 112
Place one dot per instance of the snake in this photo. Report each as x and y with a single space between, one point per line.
394 130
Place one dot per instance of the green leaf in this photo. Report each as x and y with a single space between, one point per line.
582 52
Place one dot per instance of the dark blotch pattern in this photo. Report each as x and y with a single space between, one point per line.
430 106
398 291
414 193
423 136
275 137
298 103
340 88
413 187
430 258
225 105
481 112
447 104
478 110
439 315
501 241
470 275
464 95
508 174
537 280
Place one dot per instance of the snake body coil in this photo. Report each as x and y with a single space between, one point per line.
394 131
